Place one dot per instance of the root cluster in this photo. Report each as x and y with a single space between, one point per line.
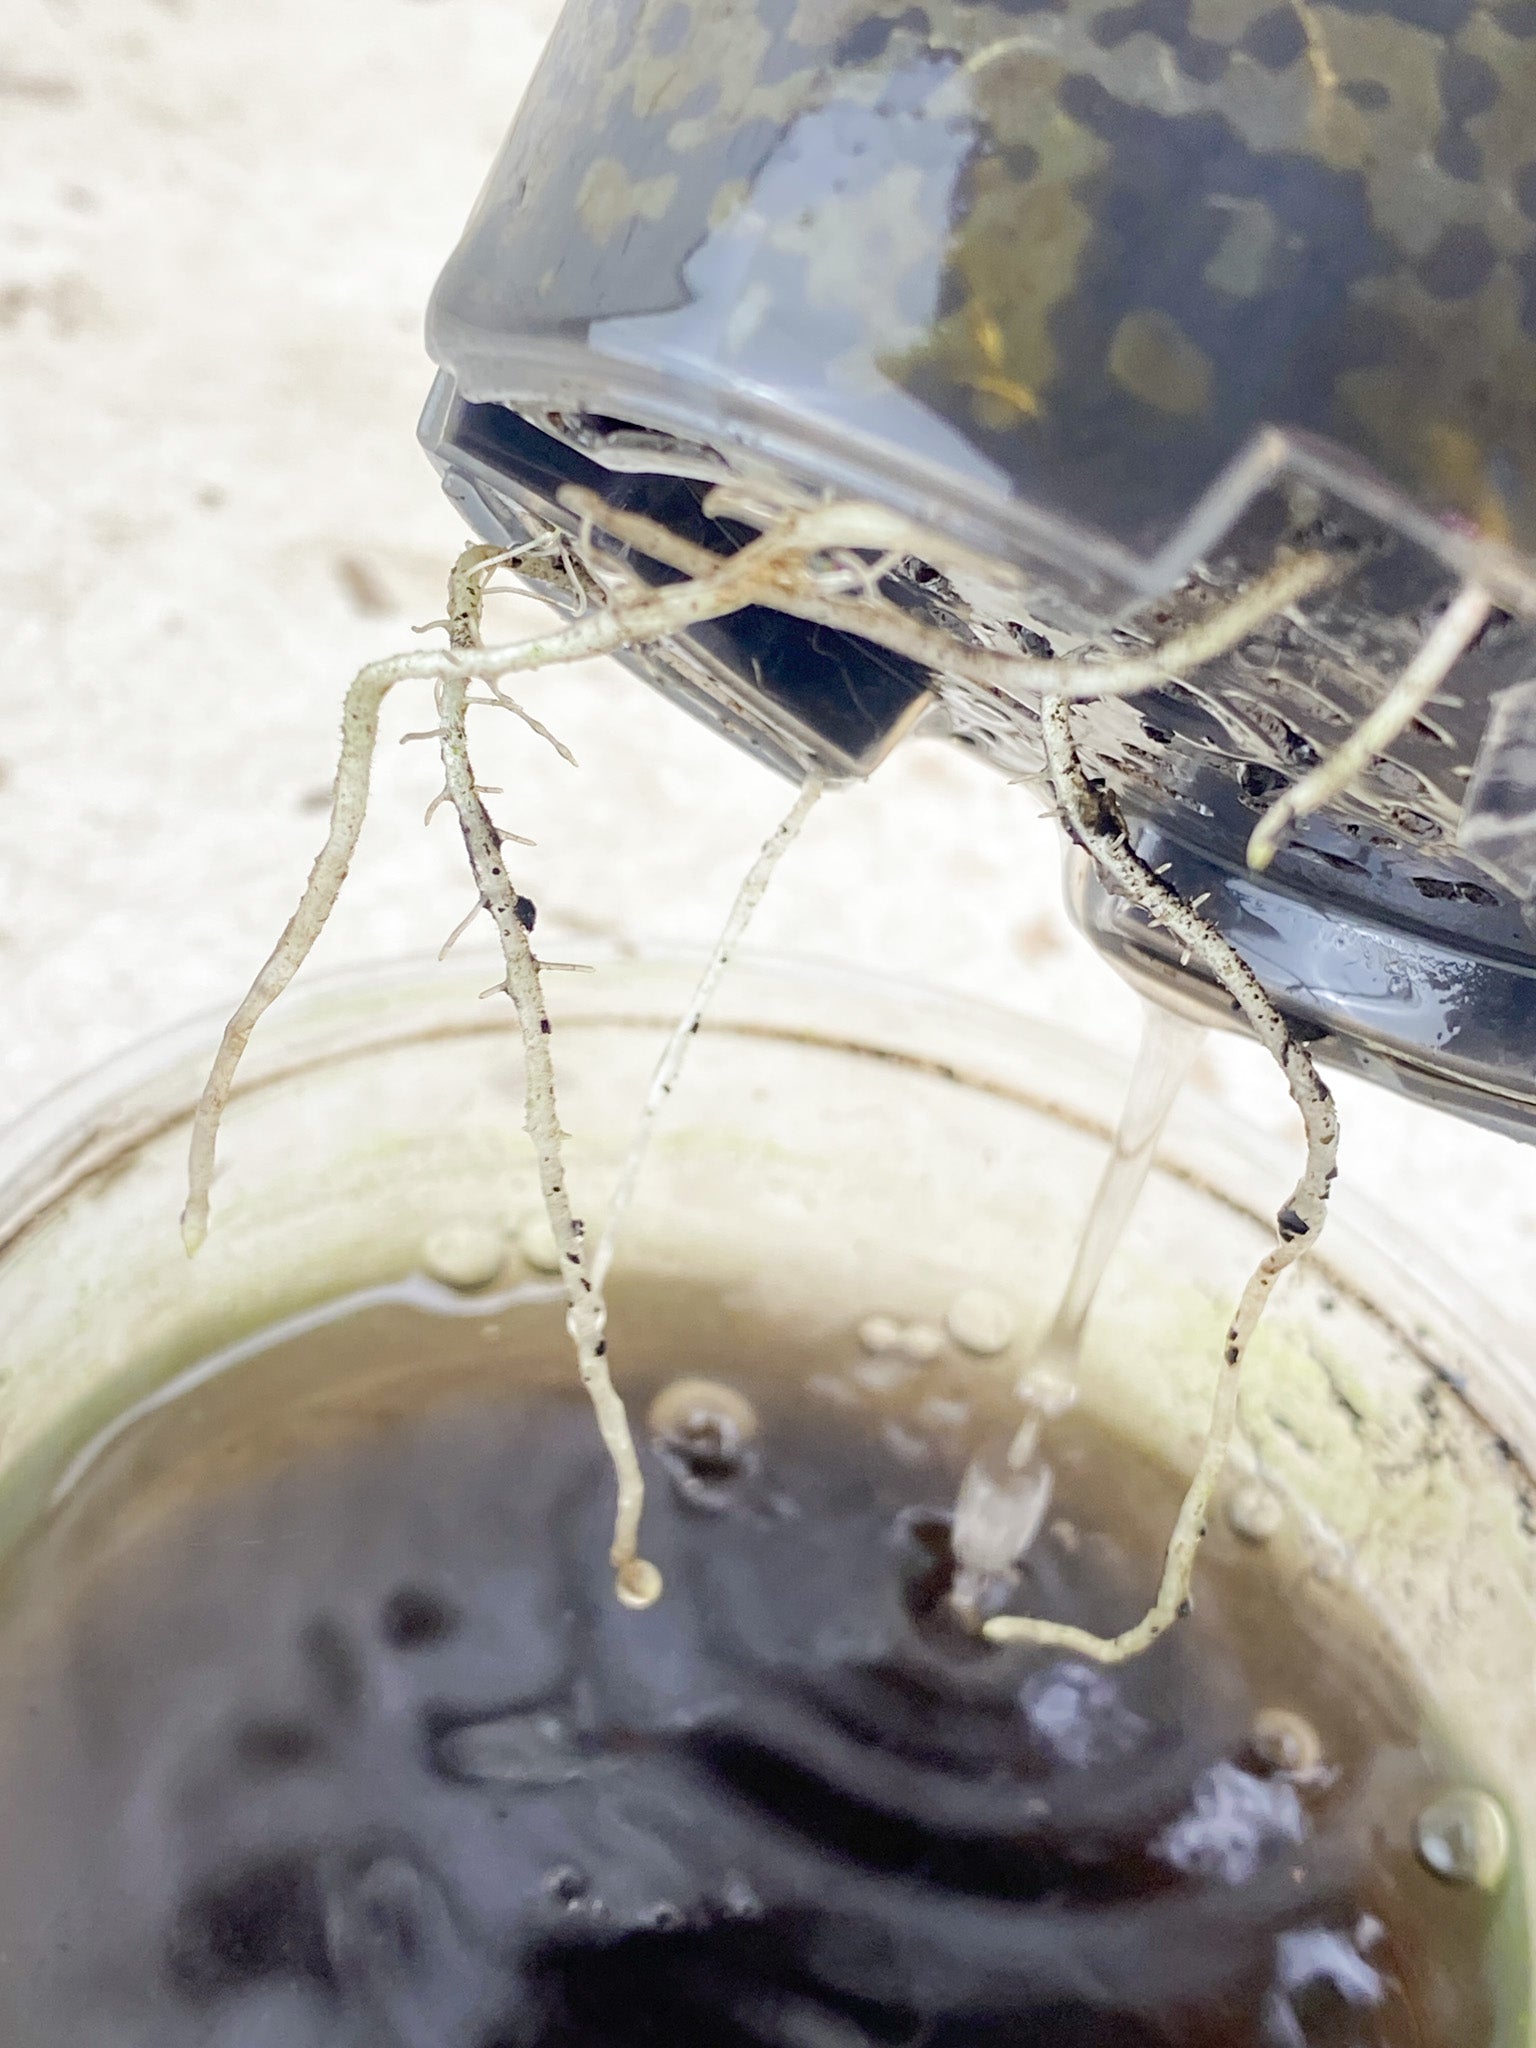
825 564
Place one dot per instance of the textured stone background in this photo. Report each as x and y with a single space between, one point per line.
218 227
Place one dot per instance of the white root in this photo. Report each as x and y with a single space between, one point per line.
637 1581
1464 619
460 928
675 1051
349 802
1093 820
505 703
775 570
838 595
654 615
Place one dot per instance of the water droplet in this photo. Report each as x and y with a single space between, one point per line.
1463 1836
1285 1741
637 1584
1255 1512
536 1243
879 1333
465 1255
981 1321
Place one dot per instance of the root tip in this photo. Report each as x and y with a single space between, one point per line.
637 1584
1261 851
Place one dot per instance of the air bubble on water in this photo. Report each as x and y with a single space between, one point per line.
1285 1741
536 1243
703 1418
981 1321
878 1334
1255 1512
464 1254
1463 1836
1077 1712
1234 1823
705 1435
534 1750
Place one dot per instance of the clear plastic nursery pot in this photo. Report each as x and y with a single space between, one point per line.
837 1147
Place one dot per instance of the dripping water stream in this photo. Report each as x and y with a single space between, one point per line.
1005 1495
1164 1057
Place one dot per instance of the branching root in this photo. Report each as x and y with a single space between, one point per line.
637 1581
825 564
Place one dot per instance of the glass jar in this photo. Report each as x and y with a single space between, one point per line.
837 1146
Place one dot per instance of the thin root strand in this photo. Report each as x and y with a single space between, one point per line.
1464 619
1096 824
637 1581
461 928
675 1051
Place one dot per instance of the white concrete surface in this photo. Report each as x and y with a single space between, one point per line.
218 227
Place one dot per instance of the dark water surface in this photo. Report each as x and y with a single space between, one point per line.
319 1725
